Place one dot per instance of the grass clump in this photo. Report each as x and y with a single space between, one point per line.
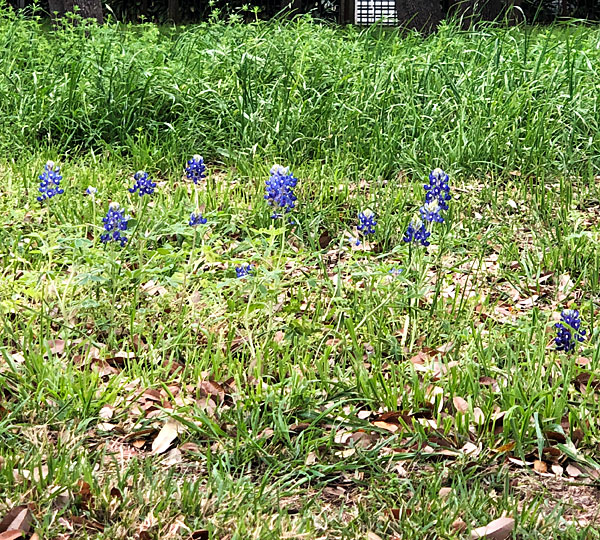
336 352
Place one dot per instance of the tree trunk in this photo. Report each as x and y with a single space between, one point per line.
56 6
88 9
422 15
471 11
173 11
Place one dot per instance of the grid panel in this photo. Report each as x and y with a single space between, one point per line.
372 11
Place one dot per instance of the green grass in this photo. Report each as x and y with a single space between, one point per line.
279 381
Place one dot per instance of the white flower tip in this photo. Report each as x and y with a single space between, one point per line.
280 169
197 158
50 164
114 206
367 213
438 173
417 223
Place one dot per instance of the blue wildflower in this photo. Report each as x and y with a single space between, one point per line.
195 169
197 219
280 190
50 182
367 222
354 241
417 232
438 189
430 211
143 183
115 222
568 331
396 271
91 191
244 270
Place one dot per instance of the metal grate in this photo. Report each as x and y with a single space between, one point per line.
372 11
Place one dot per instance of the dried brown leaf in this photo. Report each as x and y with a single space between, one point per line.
460 404
573 470
17 519
106 412
444 492
459 525
166 436
56 346
387 426
11 535
499 529
211 388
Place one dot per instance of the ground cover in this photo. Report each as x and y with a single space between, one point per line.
350 385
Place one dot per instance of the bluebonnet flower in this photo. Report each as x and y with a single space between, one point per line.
280 190
417 232
195 169
91 190
396 271
367 222
115 222
438 189
567 330
244 270
143 183
50 182
354 241
197 219
430 211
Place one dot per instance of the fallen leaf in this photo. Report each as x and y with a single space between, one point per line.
18 519
460 404
573 470
172 458
540 466
387 426
190 447
478 416
11 535
372 536
211 388
459 525
505 448
444 492
152 288
499 529
106 412
166 436
471 449
56 346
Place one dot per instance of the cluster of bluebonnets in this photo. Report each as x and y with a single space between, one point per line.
280 191
437 195
568 330
50 182
281 197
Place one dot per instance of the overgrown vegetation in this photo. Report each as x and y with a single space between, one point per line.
385 390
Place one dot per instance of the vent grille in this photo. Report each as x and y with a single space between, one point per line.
375 11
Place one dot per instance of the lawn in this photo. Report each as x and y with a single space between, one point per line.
321 366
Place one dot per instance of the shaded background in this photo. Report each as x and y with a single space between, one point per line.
336 10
